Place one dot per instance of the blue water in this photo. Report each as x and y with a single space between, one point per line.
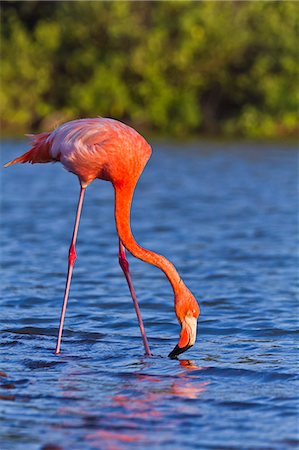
226 216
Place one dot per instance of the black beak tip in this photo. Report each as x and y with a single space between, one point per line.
177 351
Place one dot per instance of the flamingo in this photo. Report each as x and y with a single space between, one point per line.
107 149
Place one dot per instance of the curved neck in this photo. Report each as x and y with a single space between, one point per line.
123 201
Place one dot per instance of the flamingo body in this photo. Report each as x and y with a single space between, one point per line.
110 150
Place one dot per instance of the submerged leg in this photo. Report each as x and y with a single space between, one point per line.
71 262
125 267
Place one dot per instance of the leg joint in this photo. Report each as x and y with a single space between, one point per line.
123 263
72 255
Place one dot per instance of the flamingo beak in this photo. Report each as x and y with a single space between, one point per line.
187 337
178 350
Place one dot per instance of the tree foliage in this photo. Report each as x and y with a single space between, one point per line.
173 67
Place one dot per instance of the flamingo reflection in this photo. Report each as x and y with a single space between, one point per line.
147 402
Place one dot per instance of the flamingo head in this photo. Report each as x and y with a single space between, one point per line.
187 312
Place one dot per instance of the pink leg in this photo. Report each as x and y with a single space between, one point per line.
125 267
71 262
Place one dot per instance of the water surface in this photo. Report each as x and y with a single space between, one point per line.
226 216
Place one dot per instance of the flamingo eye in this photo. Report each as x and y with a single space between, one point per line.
192 313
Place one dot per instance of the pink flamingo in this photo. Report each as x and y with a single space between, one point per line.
112 151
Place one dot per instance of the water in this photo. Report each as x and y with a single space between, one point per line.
225 215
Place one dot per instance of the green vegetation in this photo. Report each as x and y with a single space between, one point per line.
170 67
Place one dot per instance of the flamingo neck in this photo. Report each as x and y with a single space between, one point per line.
123 201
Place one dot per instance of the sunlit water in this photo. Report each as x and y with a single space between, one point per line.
226 216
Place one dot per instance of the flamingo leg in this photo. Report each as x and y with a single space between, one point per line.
71 261
123 262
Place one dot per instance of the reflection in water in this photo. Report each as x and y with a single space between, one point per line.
189 386
142 402
109 440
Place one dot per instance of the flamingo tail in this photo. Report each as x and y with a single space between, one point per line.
39 153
